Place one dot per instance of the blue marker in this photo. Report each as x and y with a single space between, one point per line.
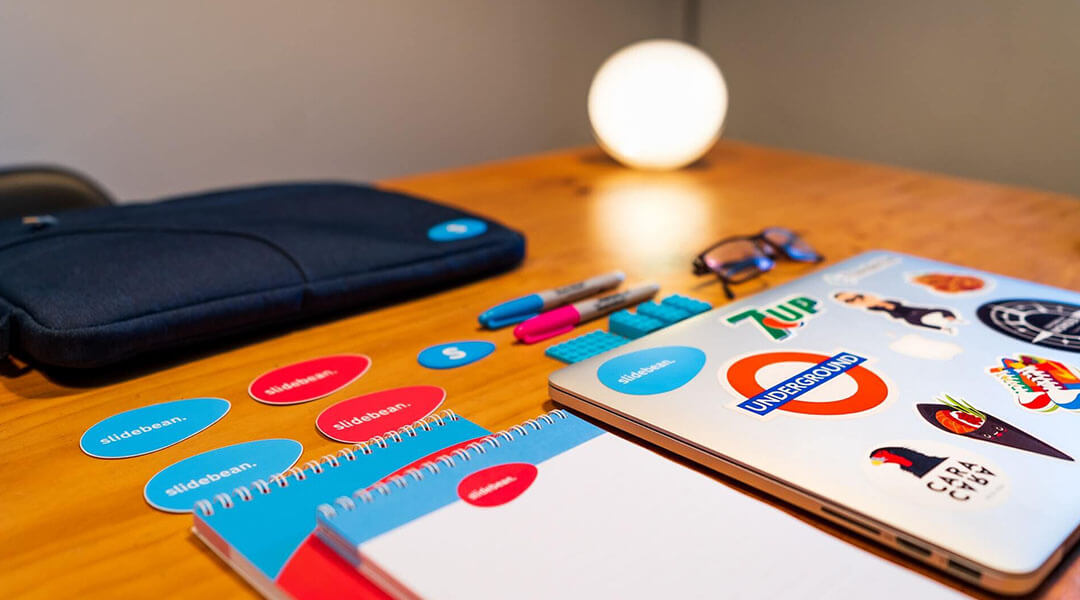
519 309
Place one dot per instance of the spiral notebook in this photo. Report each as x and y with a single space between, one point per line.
557 506
265 530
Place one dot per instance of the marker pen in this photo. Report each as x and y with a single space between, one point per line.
561 320
519 309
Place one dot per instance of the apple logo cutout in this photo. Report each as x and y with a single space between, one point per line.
652 371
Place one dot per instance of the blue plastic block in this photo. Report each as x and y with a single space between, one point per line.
666 313
630 325
585 346
690 305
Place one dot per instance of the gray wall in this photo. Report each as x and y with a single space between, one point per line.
155 98
979 88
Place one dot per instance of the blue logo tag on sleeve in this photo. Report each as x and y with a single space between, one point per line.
176 488
454 354
458 229
150 428
652 371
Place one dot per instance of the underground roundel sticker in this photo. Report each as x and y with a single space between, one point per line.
1040 322
806 383
935 473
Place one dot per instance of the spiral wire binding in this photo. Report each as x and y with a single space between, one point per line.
348 454
447 461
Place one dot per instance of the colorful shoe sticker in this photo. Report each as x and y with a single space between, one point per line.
917 346
150 428
806 383
938 474
651 371
960 418
780 321
854 275
1039 384
939 319
361 418
1040 322
949 284
308 380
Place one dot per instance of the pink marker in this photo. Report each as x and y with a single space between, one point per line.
561 320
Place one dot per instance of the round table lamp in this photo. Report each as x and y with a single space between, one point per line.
657 104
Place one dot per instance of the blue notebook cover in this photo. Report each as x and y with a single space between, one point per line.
265 529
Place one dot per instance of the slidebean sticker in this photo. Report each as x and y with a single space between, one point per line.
936 474
151 428
652 371
308 380
458 229
176 488
497 485
454 354
361 418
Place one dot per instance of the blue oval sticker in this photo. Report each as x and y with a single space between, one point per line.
150 428
176 488
458 229
454 354
652 371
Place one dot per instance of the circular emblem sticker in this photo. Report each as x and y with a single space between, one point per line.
805 383
936 474
1040 322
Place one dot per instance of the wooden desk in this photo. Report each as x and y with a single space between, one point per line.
75 526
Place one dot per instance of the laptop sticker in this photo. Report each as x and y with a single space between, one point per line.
150 428
364 417
949 284
917 346
454 354
854 275
778 322
1039 384
177 487
806 383
458 229
937 474
652 371
926 318
1040 322
308 380
955 416
496 485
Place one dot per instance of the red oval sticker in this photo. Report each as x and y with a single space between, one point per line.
429 458
497 485
308 380
361 418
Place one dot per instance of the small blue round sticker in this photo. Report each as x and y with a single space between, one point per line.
454 354
458 229
652 371
150 428
176 488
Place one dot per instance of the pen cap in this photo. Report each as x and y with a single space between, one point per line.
514 311
548 324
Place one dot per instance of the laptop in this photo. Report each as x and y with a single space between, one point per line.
930 407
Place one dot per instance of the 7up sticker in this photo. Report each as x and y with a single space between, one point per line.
780 321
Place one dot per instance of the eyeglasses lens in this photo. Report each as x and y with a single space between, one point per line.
792 244
737 260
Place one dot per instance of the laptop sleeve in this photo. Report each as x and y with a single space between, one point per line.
93 287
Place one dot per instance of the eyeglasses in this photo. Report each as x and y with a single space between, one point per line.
742 258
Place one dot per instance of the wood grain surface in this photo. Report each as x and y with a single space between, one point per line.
75 526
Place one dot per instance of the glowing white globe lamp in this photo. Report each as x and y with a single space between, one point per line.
657 104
